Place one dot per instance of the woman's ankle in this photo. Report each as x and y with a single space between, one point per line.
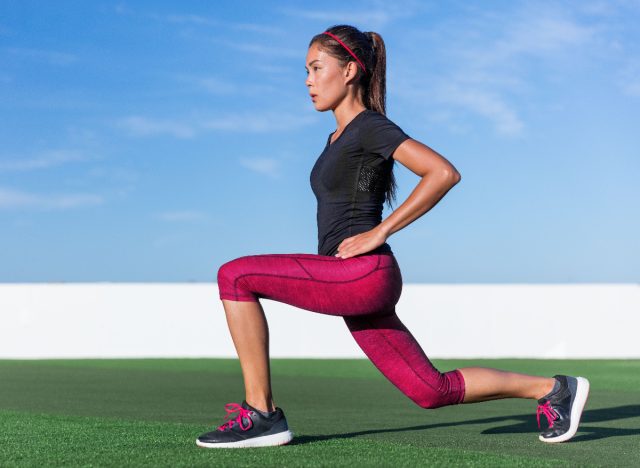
262 404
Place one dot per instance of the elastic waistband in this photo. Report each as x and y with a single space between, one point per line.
373 252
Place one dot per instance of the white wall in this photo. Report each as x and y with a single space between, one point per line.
187 320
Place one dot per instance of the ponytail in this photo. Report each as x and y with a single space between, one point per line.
375 91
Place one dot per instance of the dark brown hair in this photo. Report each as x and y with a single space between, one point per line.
370 50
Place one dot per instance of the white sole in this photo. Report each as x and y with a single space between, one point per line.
582 393
280 438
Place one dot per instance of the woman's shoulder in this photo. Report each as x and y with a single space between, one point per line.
373 117
373 114
380 135
374 122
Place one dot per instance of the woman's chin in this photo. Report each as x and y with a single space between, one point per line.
320 107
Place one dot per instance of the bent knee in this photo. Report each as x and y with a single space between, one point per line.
449 391
224 272
230 270
433 401
231 281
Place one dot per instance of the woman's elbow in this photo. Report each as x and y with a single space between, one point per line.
457 177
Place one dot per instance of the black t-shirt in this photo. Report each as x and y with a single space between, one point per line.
349 178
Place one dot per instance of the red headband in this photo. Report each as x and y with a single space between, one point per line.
348 50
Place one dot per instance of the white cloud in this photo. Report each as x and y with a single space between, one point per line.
631 87
259 50
608 7
597 8
122 9
222 87
200 20
193 19
79 136
247 122
267 166
216 85
113 173
10 199
375 16
275 70
44 160
486 104
259 28
144 126
49 56
541 35
482 61
256 123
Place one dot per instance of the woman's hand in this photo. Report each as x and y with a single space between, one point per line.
361 243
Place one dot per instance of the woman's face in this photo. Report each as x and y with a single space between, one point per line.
325 79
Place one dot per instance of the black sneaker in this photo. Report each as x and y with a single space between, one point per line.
248 429
563 408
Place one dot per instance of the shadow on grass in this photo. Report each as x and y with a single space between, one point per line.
523 425
588 417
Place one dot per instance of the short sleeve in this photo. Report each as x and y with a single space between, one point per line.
381 136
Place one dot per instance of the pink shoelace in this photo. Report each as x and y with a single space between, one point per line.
232 408
548 411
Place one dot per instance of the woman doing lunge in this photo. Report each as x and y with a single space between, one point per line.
355 274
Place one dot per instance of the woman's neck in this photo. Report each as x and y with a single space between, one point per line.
344 113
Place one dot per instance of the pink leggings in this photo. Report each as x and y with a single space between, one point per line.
364 291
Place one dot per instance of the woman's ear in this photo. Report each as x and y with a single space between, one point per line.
350 71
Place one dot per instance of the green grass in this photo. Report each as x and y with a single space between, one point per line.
342 412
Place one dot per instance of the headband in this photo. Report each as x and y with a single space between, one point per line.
348 50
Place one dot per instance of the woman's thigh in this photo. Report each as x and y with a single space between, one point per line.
359 285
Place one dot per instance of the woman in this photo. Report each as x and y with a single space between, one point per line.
355 274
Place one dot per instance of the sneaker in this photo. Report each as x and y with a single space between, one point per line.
563 408
248 429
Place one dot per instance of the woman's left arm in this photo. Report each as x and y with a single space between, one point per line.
438 176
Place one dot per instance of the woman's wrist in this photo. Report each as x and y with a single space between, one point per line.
384 230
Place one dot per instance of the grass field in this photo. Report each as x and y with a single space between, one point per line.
342 413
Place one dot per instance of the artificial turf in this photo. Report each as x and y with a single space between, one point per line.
342 413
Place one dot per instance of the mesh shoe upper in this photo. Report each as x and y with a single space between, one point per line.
246 424
556 407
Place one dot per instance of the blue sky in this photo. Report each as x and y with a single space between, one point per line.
154 141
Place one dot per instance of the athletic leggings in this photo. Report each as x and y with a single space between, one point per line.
363 290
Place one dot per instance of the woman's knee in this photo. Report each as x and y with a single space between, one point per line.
432 400
231 270
229 278
448 391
